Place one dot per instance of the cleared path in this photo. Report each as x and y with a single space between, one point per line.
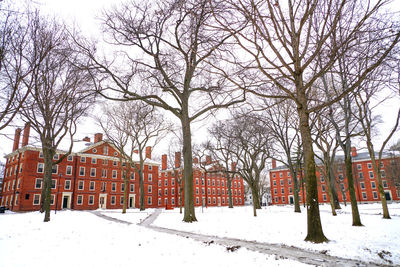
231 244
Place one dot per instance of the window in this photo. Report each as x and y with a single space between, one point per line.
18 183
383 174
69 158
222 183
281 182
79 200
83 159
122 200
341 177
359 167
52 200
214 201
69 170
115 163
113 187
150 177
104 173
173 201
115 153
375 194
40 154
113 200
369 165
149 189
360 175
323 188
114 174
166 182
92 172
56 157
54 169
362 185
105 150
290 181
324 197
208 182
275 191
38 183
122 187
173 191
209 191
282 190
92 185
197 190
373 185
149 200
159 202
197 201
283 200
173 181
53 184
209 200
165 191
67 184
280 175
36 199
371 174
94 160
81 171
20 169
132 188
103 187
364 195
288 174
197 181
273 175
150 167
385 185
40 168
133 177
290 190
276 199
213 191
91 200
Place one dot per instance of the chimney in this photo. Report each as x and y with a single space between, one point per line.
164 162
16 139
25 138
273 164
98 137
208 160
233 166
148 152
177 159
196 160
136 151
353 151
86 139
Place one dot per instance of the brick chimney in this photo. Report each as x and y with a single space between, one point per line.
25 138
98 137
233 166
208 160
353 151
273 164
136 151
17 136
164 162
148 152
177 159
86 139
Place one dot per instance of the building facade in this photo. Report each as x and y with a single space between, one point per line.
92 178
366 185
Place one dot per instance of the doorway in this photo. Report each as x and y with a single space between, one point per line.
65 202
291 200
131 202
388 195
103 201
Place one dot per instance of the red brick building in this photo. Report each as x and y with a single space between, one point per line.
210 188
88 179
92 179
366 185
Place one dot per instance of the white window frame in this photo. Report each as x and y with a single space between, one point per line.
83 185
80 197
92 172
67 182
90 186
91 200
41 183
69 167
83 159
38 199
39 166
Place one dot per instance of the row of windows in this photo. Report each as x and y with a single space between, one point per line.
11 185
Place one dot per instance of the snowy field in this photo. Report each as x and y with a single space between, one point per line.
78 238
377 241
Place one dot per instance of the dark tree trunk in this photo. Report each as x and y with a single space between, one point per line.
141 190
126 184
48 174
296 192
350 181
314 227
189 213
229 184
256 199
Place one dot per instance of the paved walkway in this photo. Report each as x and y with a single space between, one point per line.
231 244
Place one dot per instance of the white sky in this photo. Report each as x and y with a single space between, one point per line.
84 14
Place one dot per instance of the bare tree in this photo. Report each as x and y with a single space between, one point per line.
131 127
14 49
59 92
247 141
284 42
168 65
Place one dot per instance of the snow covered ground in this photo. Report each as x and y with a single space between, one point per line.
377 241
78 238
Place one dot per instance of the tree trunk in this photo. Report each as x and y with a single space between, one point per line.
332 185
314 227
328 183
141 190
48 173
295 192
189 213
126 184
256 199
350 181
229 184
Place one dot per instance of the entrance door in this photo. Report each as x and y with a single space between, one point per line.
131 202
219 202
65 202
388 195
102 201
291 200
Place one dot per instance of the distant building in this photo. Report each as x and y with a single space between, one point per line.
366 185
92 178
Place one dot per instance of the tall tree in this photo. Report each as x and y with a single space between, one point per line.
131 127
284 41
58 91
171 45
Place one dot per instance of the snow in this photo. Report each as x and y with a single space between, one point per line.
80 238
280 225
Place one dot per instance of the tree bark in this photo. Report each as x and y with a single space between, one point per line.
229 184
46 190
141 190
314 227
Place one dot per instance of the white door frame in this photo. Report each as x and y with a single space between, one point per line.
104 206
